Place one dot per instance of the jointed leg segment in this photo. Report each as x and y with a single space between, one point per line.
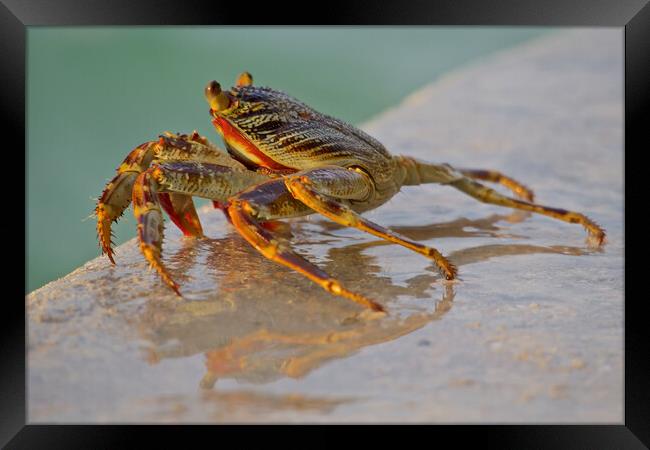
249 208
419 172
317 189
180 180
487 195
497 177
180 209
416 172
116 197
146 208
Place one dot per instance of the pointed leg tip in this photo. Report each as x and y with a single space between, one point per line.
449 271
372 306
597 236
108 251
174 286
597 240
528 194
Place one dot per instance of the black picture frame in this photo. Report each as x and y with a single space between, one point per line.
633 15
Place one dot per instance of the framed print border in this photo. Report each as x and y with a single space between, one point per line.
632 15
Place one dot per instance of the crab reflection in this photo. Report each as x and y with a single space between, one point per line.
248 335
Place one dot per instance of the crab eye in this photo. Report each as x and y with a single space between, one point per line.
217 99
212 89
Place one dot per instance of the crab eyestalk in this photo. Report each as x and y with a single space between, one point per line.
244 79
217 99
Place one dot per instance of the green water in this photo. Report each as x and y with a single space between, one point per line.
95 93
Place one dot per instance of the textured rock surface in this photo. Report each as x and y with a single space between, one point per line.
533 333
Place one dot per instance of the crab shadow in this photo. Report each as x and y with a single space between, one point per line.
257 322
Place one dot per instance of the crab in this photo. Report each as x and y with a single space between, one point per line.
283 159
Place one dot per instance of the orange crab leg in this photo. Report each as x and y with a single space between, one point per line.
318 189
420 172
180 209
178 181
146 208
493 176
117 195
486 195
246 209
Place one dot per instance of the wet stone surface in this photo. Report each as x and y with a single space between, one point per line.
532 333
